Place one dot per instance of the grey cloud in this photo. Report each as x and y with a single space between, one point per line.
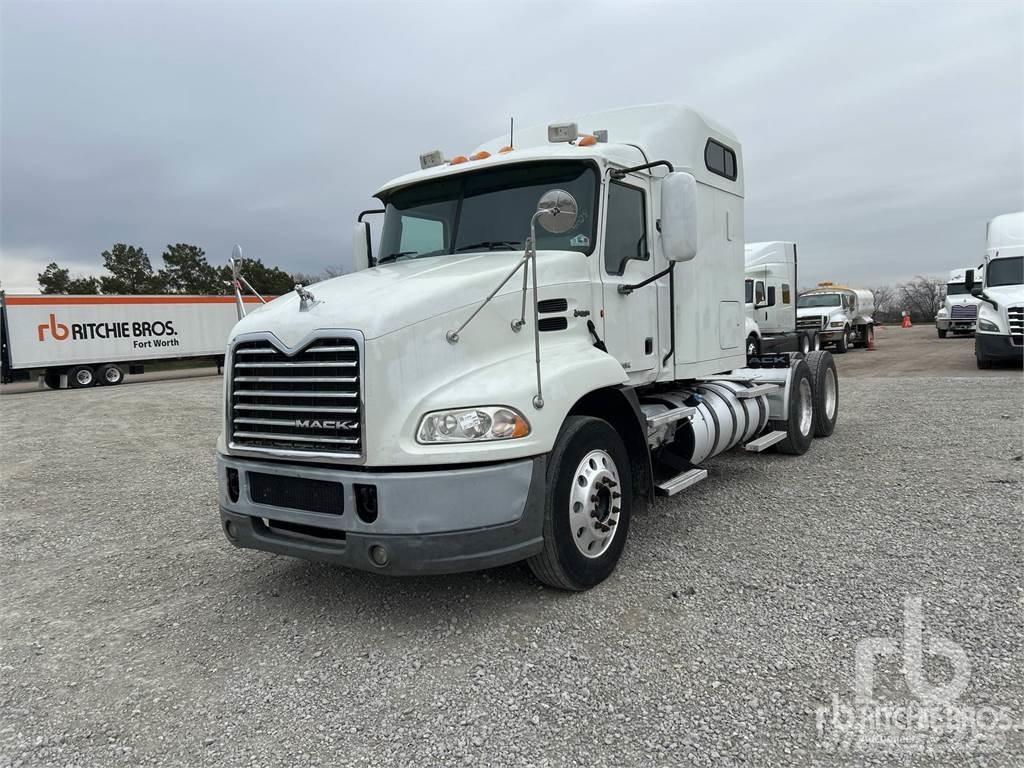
879 137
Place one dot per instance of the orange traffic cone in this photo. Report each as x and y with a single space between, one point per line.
906 320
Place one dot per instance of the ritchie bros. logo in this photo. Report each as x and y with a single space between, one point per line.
122 330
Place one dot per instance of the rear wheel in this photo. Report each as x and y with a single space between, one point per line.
52 379
588 503
825 386
799 427
110 375
81 376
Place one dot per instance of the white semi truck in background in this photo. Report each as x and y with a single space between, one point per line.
550 332
770 300
81 341
841 316
1000 331
959 311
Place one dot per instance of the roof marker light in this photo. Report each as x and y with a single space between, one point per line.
431 159
458 159
483 154
586 141
504 150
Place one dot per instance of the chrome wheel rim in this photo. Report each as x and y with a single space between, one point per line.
595 504
830 394
805 409
83 377
112 375
751 348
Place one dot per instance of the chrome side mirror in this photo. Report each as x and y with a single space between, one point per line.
557 211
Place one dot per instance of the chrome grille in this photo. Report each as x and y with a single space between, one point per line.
1015 316
811 323
307 402
963 312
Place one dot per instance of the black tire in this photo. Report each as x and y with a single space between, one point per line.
753 346
984 363
804 344
843 344
81 376
110 375
942 333
52 379
561 563
825 388
799 431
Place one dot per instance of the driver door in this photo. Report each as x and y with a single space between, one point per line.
630 320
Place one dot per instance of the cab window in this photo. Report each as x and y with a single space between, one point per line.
748 291
759 292
785 293
625 228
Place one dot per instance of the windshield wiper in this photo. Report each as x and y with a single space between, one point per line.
512 245
394 256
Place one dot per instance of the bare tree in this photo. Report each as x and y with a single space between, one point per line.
923 296
886 304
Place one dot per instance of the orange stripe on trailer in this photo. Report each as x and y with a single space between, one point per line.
55 300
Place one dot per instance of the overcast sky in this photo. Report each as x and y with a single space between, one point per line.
879 137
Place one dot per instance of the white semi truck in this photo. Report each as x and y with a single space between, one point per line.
841 316
81 341
959 311
549 333
770 300
1000 332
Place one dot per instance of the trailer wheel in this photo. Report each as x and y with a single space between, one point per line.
942 332
799 427
81 376
110 375
588 501
52 379
825 385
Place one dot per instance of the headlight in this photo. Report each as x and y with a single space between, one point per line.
466 425
986 325
837 323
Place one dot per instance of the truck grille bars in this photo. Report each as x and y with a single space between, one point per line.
811 323
963 312
1015 316
307 402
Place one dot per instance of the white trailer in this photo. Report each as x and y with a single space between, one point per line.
1000 331
550 334
959 311
770 299
841 316
87 340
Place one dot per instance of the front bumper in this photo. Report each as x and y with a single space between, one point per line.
957 326
994 346
427 522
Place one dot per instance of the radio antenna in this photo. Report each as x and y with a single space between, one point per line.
511 131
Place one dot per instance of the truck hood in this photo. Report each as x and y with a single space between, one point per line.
818 311
384 299
1006 295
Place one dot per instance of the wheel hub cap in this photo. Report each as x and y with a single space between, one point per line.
595 504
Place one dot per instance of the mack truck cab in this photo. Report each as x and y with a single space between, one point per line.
841 316
770 300
548 334
959 311
1000 289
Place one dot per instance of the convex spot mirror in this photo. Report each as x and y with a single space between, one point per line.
557 211
679 216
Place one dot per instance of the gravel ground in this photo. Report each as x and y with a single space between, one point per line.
132 633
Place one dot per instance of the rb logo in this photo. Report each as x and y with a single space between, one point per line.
59 331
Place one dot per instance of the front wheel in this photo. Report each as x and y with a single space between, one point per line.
753 346
942 332
589 499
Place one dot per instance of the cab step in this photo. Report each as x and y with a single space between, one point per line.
674 485
765 441
756 391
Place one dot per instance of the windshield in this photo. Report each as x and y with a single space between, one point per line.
487 211
819 300
1008 271
955 289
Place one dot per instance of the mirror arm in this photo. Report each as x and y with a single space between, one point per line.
367 213
620 173
625 290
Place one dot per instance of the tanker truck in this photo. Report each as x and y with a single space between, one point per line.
548 334
841 316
